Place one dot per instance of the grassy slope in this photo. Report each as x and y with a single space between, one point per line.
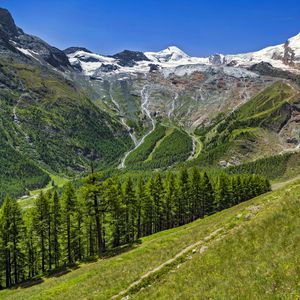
255 253
259 260
56 180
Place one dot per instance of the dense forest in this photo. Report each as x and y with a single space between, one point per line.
18 174
161 149
270 167
108 214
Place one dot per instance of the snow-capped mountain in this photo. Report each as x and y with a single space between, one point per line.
285 56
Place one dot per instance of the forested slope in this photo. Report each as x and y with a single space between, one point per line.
47 119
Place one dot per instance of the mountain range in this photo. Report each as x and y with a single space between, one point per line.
63 110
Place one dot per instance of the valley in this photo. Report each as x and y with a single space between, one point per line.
147 175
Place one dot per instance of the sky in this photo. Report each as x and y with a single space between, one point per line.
197 27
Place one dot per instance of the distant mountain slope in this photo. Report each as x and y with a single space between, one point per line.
67 108
46 119
264 125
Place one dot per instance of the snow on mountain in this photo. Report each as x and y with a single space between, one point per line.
89 62
94 64
170 54
284 56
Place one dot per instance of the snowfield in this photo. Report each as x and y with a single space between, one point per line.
285 56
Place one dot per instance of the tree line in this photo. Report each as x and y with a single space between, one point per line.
74 225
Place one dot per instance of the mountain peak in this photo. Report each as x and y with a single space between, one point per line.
7 23
129 58
170 54
176 50
71 50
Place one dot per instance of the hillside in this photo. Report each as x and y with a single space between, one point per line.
162 148
260 127
260 233
48 122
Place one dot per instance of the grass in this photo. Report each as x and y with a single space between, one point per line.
260 260
258 254
56 180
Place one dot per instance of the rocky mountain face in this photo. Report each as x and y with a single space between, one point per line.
192 91
14 42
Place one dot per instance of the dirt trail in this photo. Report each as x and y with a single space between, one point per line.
197 247
168 262
279 185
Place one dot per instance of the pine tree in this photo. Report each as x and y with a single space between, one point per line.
96 207
196 195
156 191
31 244
12 232
223 193
207 195
169 198
148 209
182 197
41 223
55 211
68 201
130 210
113 196
140 201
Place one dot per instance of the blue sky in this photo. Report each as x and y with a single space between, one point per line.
197 27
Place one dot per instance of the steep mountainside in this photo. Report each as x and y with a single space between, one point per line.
17 44
267 124
47 122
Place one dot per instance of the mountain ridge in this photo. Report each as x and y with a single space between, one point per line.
103 107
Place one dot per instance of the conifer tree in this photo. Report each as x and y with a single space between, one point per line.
140 201
12 233
182 197
113 196
41 223
68 201
223 193
156 193
55 211
207 195
169 201
130 211
196 195
96 207
148 209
